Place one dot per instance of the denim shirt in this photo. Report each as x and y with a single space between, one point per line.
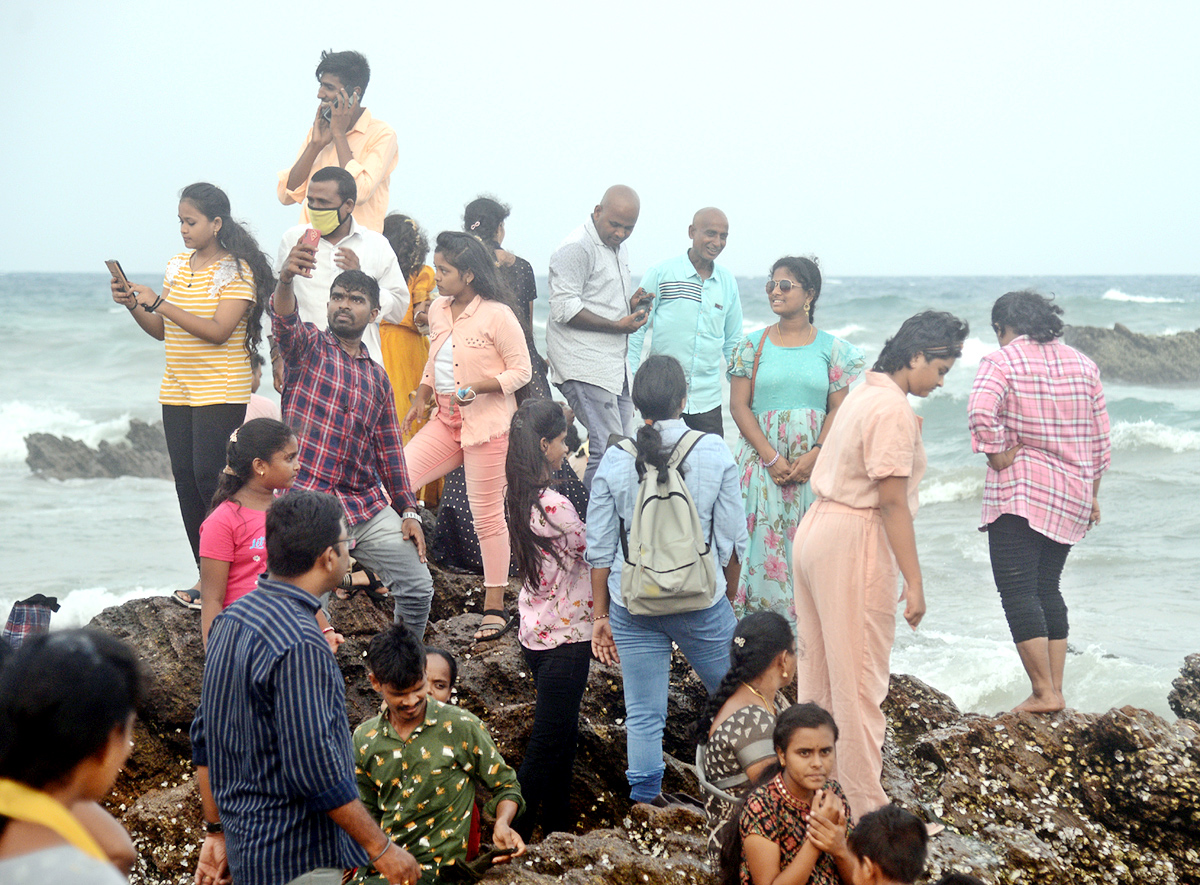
711 476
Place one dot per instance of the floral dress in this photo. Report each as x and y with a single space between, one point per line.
775 814
791 391
559 609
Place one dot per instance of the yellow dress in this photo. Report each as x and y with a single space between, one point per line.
405 352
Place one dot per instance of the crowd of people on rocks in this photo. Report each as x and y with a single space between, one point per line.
408 386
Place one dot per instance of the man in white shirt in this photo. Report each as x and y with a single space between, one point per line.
592 312
344 245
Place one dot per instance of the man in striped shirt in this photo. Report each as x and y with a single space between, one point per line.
270 740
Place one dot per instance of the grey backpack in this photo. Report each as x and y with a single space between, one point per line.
669 564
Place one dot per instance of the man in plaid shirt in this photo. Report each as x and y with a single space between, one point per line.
339 402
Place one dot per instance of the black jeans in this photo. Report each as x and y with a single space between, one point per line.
560 675
1027 566
706 422
196 440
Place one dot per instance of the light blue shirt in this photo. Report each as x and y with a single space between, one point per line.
711 476
698 322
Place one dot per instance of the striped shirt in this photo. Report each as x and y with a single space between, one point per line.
344 415
1048 397
199 373
272 729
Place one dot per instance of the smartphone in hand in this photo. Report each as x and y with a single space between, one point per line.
311 237
114 268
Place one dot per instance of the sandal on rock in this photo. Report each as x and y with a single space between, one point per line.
376 590
495 630
189 598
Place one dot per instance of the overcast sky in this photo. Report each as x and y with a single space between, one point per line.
1019 138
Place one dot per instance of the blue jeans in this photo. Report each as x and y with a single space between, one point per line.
644 644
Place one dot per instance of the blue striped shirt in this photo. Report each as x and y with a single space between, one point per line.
272 729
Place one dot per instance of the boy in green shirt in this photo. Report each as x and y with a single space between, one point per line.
418 763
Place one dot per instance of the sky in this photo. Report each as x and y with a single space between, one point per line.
915 138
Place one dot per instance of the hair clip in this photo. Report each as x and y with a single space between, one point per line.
475 225
739 641
233 436
229 470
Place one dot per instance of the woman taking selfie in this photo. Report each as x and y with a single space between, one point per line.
209 316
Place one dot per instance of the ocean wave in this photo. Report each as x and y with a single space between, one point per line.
19 419
1118 295
78 607
1137 434
946 490
975 349
845 331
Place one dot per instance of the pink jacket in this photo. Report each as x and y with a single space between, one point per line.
488 343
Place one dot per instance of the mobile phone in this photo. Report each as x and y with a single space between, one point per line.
114 268
311 237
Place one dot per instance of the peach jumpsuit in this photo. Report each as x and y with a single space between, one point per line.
845 577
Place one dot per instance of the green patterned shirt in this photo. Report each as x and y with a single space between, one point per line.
422 790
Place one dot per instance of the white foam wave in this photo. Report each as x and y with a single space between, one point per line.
1136 434
1118 295
18 419
845 331
78 607
945 491
974 349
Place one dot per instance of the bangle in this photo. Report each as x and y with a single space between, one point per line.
771 463
386 846
599 617
328 630
213 829
816 445
150 308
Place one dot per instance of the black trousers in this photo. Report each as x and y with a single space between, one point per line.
706 422
1027 566
196 440
560 675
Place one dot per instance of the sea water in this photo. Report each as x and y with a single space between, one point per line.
74 364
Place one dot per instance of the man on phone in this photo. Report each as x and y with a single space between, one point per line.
342 244
696 317
592 311
344 134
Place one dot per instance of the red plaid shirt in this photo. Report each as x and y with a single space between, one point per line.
344 414
1047 396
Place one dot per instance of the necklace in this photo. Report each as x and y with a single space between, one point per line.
811 337
766 703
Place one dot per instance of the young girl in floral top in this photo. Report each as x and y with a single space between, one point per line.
555 607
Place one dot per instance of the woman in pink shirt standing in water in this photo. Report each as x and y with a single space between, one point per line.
1037 411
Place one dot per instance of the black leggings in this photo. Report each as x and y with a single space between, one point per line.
196 440
560 675
1026 566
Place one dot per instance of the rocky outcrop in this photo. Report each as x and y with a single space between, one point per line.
1064 798
1128 356
143 452
1184 697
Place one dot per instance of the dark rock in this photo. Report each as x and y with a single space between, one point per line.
1128 356
1185 691
143 453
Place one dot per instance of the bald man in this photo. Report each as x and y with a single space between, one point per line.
593 310
696 317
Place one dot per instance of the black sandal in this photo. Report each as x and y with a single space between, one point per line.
497 630
376 590
189 598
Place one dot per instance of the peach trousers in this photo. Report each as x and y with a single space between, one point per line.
845 586
436 450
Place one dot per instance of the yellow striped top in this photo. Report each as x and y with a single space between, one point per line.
199 373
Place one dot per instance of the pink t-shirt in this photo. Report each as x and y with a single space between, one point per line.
236 535
559 609
261 407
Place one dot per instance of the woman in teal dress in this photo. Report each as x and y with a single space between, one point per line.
783 407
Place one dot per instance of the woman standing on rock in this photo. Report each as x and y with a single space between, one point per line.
555 607
734 731
210 317
854 538
1037 411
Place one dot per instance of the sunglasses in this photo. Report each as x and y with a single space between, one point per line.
785 286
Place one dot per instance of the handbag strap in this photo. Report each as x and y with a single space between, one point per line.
757 355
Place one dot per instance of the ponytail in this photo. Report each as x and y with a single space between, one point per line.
659 389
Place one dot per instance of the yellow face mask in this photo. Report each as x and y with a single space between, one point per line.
325 220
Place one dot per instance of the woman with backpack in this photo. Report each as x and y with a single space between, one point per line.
635 622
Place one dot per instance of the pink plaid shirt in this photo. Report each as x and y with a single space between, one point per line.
1047 396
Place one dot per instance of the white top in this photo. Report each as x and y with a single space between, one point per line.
443 368
61 865
375 257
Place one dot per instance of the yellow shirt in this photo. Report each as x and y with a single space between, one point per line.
199 373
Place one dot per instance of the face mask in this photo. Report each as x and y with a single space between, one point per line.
325 220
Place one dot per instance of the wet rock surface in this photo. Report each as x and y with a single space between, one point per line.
143 453
1123 355
1184 697
1062 798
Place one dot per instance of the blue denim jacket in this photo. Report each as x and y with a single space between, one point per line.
711 477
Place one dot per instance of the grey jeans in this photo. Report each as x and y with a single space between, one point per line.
380 546
319 876
603 414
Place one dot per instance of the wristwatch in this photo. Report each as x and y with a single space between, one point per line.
411 514
213 829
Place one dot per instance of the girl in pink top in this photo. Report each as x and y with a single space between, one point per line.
477 360
857 535
555 605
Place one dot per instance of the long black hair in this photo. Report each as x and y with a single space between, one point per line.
211 202
467 253
408 241
1028 313
757 641
934 333
483 217
528 473
659 388
257 438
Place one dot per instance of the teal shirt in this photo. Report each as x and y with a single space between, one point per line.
696 321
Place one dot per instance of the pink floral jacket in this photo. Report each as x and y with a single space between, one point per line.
558 609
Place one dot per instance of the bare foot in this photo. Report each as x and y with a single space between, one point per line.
1036 703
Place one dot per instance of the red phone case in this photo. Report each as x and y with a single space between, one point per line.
311 237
